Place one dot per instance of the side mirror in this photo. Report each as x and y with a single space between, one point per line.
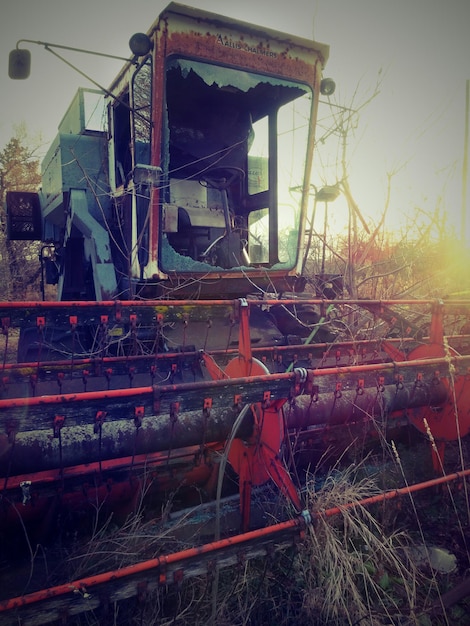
19 64
327 87
140 44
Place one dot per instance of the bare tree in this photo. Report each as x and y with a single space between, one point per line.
376 263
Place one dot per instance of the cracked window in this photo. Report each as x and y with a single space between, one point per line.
235 146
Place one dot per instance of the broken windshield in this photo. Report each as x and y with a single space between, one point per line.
236 144
224 76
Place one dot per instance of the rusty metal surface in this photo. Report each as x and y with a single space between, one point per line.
49 604
97 424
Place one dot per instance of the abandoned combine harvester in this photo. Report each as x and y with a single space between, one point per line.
183 345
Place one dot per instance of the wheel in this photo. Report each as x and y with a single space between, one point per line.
221 177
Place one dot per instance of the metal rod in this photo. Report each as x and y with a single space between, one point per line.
113 394
48 45
96 304
168 356
212 548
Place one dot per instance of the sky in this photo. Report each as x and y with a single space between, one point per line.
419 50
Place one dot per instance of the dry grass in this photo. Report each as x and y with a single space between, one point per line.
348 570
354 571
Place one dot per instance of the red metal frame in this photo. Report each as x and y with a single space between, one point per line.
176 560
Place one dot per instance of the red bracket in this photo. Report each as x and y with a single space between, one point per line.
244 339
338 390
85 374
58 423
315 393
139 412
436 332
99 420
257 459
207 406
266 399
40 323
174 411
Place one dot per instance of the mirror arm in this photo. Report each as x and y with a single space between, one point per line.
48 46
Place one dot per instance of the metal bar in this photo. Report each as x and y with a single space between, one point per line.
121 394
96 304
270 533
147 460
79 363
165 356
116 394
47 44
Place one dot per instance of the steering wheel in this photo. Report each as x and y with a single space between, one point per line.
220 177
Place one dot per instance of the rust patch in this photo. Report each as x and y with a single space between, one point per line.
259 57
